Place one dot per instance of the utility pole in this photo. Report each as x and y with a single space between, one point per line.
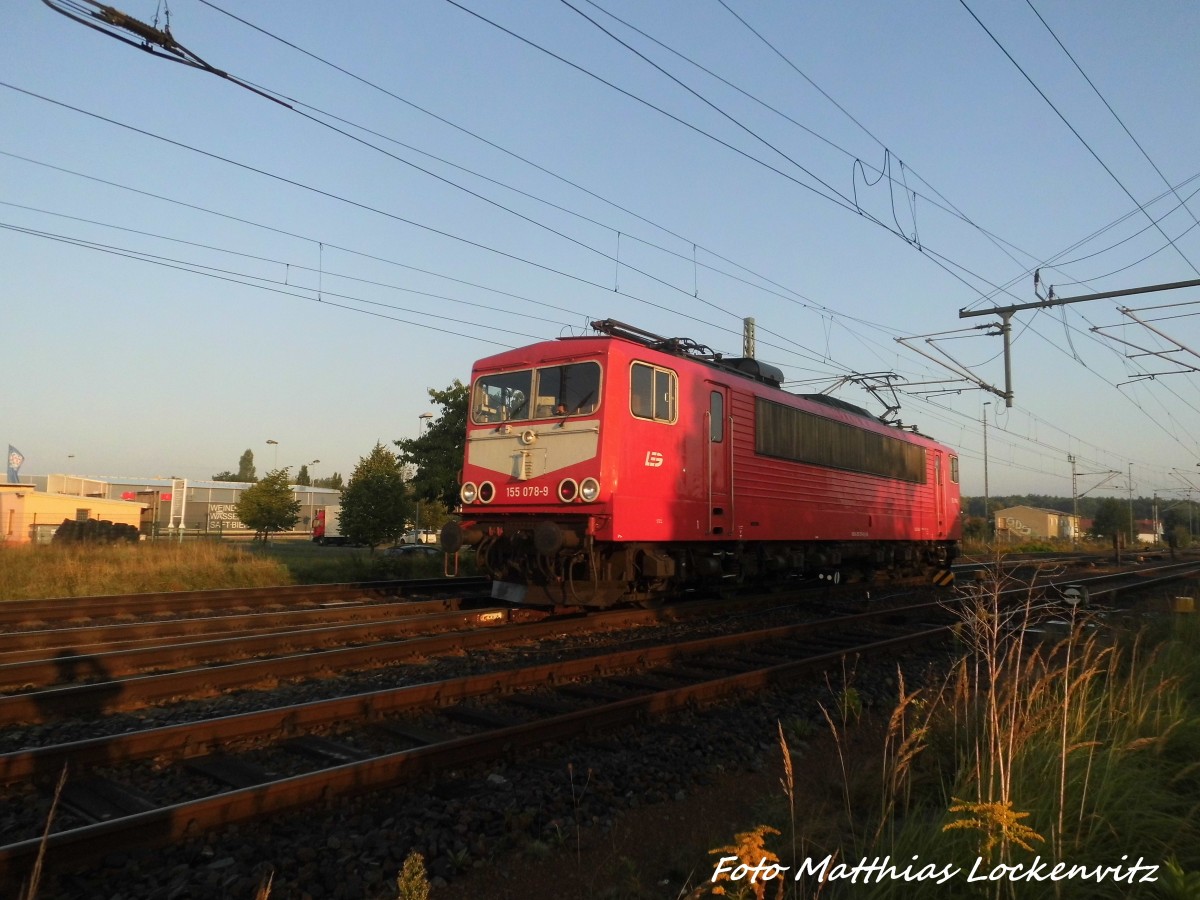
1005 313
1108 476
1132 533
1074 502
987 519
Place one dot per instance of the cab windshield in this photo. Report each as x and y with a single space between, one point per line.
549 392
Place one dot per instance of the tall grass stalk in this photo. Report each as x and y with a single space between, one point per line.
788 783
1081 749
1055 737
841 753
35 876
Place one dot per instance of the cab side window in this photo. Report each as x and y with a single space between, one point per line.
652 393
570 390
716 417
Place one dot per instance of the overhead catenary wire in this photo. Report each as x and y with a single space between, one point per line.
210 272
783 292
366 207
321 271
850 319
949 265
1091 151
949 207
837 198
307 238
280 231
396 217
574 184
291 106
1109 107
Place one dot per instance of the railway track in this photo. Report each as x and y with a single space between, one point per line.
404 733
216 661
93 670
167 784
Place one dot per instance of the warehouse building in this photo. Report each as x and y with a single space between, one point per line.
156 506
32 516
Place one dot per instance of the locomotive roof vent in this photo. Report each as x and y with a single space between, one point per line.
748 366
764 372
838 404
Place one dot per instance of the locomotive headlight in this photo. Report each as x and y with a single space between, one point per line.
568 490
589 490
468 493
487 492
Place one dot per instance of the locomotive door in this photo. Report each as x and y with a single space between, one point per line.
939 493
719 460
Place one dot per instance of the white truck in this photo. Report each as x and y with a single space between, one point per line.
326 523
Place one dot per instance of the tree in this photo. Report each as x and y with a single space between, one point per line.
975 528
302 477
269 505
437 455
375 504
431 515
246 468
244 473
333 482
1111 517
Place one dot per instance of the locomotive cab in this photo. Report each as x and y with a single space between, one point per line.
532 472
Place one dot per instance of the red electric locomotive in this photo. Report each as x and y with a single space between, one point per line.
624 467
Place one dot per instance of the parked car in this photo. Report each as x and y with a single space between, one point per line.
413 551
425 536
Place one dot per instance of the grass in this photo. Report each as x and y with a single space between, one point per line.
974 547
1080 749
307 563
63 570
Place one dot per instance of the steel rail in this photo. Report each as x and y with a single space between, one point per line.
19 646
68 666
1141 580
104 694
186 819
16 612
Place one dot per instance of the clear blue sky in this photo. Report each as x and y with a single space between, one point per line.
237 272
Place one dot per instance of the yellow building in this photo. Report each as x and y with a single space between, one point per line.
28 515
1020 523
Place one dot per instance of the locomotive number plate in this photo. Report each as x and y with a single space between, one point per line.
527 490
